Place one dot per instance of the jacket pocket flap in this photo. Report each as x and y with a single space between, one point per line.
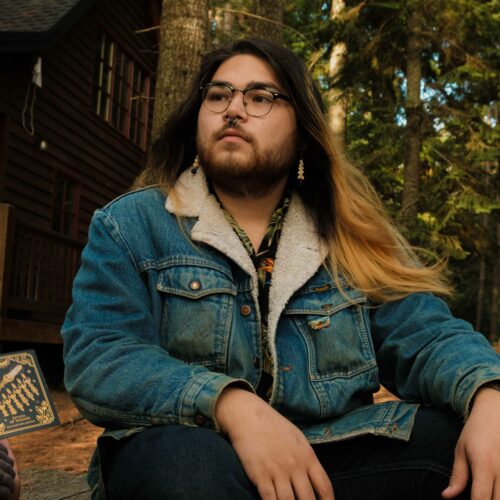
194 282
324 303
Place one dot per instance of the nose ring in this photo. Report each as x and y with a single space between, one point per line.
232 120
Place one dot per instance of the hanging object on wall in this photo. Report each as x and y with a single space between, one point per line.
29 101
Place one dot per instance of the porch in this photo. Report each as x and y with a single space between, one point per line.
37 267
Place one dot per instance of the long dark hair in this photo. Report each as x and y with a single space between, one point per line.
175 148
364 246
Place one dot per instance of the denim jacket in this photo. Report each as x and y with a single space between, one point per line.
165 315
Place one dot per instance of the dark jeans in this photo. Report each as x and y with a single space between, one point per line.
190 463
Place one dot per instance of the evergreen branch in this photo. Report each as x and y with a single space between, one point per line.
267 20
147 30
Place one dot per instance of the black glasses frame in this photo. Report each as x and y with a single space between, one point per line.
273 92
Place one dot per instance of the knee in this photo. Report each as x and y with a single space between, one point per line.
177 462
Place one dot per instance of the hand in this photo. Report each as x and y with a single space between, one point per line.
9 481
275 454
478 448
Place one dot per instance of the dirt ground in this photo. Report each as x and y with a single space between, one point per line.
67 447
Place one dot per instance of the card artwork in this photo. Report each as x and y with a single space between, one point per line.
25 402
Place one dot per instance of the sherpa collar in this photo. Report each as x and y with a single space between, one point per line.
300 250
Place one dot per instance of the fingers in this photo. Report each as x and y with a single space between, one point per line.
459 475
482 482
321 482
284 489
299 489
266 490
481 490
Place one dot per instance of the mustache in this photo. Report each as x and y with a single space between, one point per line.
221 133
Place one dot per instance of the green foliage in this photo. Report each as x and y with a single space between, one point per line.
458 201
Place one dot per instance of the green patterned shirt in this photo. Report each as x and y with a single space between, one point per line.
263 261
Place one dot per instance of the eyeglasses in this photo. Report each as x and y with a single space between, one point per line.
258 101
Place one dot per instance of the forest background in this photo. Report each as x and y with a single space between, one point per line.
411 88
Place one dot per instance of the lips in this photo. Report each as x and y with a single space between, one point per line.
232 133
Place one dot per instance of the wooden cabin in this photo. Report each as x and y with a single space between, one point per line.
76 87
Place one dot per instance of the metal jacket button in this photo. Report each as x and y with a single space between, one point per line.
195 285
200 420
245 310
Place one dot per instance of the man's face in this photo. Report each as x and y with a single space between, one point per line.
250 157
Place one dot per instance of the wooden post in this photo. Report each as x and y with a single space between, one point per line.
6 244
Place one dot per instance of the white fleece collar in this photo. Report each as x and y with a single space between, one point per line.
300 250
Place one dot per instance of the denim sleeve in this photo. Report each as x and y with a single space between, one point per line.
115 369
426 355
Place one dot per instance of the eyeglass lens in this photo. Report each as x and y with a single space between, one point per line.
258 102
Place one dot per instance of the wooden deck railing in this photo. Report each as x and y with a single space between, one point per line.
43 265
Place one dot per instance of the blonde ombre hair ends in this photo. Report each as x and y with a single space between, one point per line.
366 250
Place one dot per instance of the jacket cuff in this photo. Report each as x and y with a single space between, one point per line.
485 380
197 402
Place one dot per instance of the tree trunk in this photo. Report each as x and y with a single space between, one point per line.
478 324
184 38
413 115
272 11
495 289
337 103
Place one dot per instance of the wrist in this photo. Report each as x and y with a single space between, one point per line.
486 392
230 400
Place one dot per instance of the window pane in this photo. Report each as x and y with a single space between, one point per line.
65 204
70 196
115 117
121 87
66 223
59 189
56 220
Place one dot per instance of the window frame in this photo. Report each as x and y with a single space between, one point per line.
63 213
110 56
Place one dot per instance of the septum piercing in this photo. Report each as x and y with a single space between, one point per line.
232 121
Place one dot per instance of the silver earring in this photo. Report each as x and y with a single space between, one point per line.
196 165
300 171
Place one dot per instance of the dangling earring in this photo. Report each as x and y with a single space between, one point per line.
196 165
300 171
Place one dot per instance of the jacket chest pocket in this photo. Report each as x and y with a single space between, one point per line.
334 330
197 314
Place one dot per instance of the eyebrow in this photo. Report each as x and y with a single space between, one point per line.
252 84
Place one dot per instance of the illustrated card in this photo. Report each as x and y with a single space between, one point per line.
25 402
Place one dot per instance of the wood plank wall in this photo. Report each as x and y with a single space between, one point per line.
81 145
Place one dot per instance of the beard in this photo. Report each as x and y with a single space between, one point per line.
240 173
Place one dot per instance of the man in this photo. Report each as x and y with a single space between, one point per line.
233 318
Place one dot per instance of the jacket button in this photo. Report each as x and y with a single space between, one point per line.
200 420
245 310
195 285
256 362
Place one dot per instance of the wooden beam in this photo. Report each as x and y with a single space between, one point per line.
4 137
29 331
6 245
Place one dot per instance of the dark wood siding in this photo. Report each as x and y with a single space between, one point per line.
80 144
82 149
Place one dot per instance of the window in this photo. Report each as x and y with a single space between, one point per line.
65 202
121 91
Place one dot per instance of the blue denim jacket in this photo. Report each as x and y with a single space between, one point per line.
165 316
